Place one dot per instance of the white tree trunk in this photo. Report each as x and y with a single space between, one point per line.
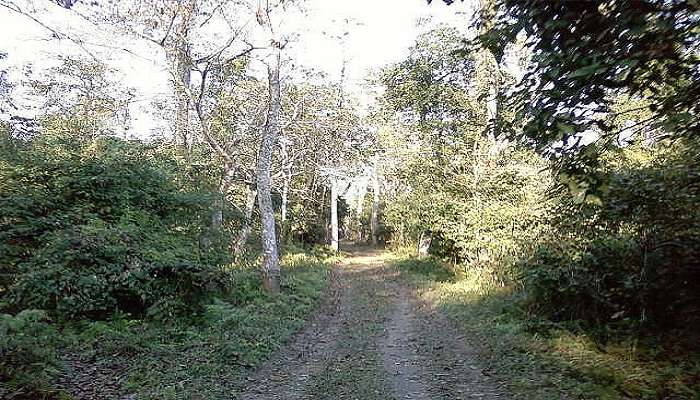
362 192
182 113
424 242
286 179
375 208
334 214
180 55
285 195
217 216
270 268
244 233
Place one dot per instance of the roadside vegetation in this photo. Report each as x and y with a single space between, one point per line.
114 283
539 359
180 357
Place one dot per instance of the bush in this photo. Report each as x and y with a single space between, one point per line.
430 267
601 282
27 358
95 269
96 228
631 260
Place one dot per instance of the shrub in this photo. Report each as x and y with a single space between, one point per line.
632 259
431 267
601 281
27 358
96 228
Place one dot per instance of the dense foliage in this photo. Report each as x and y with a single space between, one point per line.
448 177
585 54
632 259
94 226
612 246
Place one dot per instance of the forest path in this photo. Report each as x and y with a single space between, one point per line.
373 338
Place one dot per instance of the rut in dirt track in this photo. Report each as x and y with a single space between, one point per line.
373 338
290 370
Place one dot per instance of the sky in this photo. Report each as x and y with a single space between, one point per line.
385 31
380 32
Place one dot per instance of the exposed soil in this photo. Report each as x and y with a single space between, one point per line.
406 369
377 340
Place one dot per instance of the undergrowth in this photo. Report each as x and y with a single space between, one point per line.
180 358
538 359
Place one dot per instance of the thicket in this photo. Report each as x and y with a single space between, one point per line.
90 227
631 260
602 235
107 244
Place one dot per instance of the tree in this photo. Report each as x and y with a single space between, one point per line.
6 105
316 146
447 179
270 268
80 96
586 54
374 220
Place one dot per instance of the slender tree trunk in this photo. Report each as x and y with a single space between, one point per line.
359 210
182 113
286 178
180 55
334 214
424 242
244 233
375 208
270 268
285 193
217 216
285 196
284 229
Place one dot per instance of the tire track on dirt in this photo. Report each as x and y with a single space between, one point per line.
287 374
374 339
401 360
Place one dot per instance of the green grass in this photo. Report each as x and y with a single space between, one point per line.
541 360
199 356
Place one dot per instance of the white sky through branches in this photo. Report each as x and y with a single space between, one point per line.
380 32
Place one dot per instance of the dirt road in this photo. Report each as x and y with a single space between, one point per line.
373 339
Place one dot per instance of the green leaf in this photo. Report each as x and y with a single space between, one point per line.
565 129
585 71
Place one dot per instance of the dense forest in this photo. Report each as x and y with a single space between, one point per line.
511 210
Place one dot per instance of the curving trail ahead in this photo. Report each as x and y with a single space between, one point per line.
373 338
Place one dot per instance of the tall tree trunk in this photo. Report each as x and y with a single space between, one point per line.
285 199
375 208
180 55
244 233
334 214
285 194
362 192
286 178
270 268
217 216
182 113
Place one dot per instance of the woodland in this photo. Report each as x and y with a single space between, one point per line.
531 177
